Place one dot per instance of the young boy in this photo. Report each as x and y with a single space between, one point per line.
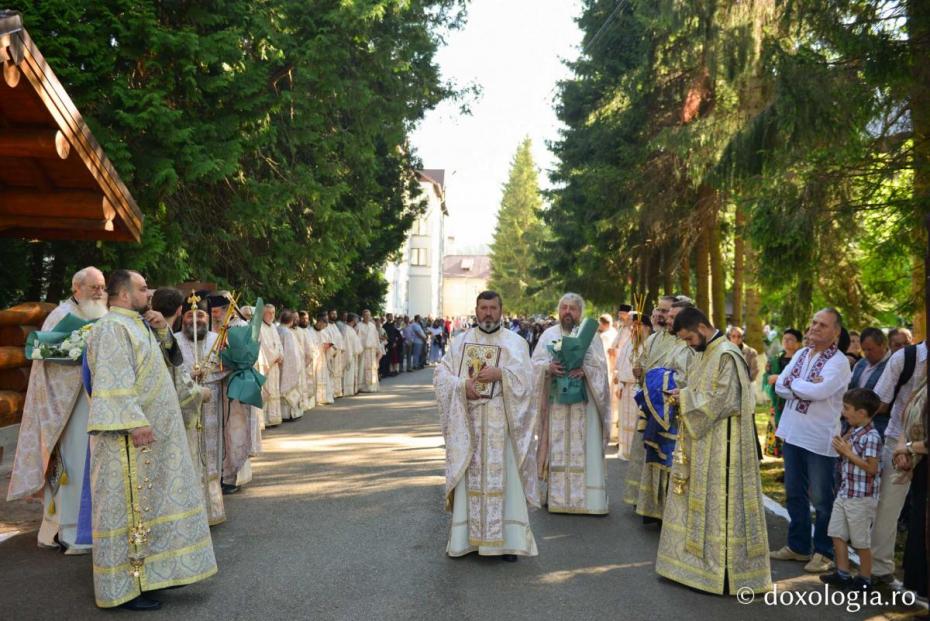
854 508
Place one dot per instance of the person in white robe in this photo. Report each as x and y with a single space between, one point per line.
608 335
302 329
336 360
240 442
573 437
483 390
205 435
270 359
353 354
370 335
624 386
150 527
322 339
51 450
293 386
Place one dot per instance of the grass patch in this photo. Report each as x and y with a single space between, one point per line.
773 485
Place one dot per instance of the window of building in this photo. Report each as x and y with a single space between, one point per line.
419 257
421 226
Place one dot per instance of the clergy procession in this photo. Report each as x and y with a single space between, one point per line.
134 444
464 309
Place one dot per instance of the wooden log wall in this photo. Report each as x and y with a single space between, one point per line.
15 325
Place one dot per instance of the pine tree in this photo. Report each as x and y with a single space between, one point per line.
518 233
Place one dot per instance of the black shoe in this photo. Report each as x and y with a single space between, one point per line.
860 584
652 520
229 489
141 603
835 579
509 558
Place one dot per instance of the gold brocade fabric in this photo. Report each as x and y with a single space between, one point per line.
564 432
474 431
152 491
714 526
653 481
271 349
50 398
656 353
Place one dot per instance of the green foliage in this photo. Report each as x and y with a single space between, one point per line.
266 143
796 112
519 231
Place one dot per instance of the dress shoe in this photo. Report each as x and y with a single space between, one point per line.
141 603
229 489
509 558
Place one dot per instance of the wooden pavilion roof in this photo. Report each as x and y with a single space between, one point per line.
55 180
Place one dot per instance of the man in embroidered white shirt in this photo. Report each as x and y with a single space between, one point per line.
813 384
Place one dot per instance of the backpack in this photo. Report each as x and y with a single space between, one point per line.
907 372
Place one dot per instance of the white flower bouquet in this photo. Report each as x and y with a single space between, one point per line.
60 345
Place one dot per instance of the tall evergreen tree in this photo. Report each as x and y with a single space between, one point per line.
518 233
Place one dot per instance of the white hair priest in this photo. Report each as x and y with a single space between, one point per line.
52 448
571 394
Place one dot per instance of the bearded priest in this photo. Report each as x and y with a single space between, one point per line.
483 388
573 436
714 534
149 523
270 360
370 335
52 447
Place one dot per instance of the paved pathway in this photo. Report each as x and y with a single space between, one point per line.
344 520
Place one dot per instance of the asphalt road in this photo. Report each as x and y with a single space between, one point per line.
344 520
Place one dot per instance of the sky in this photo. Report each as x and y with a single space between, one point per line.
513 50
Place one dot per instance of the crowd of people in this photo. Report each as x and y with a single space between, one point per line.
678 397
134 448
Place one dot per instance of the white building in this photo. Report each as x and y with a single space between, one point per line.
464 276
415 281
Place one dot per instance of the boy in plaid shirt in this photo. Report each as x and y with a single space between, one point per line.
855 504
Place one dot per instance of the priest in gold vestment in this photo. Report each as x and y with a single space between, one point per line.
656 353
653 481
149 522
483 389
714 534
270 361
573 437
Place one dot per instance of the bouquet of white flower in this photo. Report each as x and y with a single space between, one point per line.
65 343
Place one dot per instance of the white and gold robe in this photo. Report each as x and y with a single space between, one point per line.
293 376
353 351
336 359
310 354
714 522
207 437
149 490
51 448
371 355
608 340
625 384
573 438
653 481
490 450
321 366
271 350
656 353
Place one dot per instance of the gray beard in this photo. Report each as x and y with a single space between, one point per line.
489 326
568 324
201 332
92 309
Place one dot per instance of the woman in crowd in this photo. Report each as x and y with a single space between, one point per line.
790 344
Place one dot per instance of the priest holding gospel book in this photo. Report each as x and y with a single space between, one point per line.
483 388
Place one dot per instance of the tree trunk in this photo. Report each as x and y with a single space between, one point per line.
702 271
739 254
718 277
685 273
754 337
37 272
653 279
668 271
